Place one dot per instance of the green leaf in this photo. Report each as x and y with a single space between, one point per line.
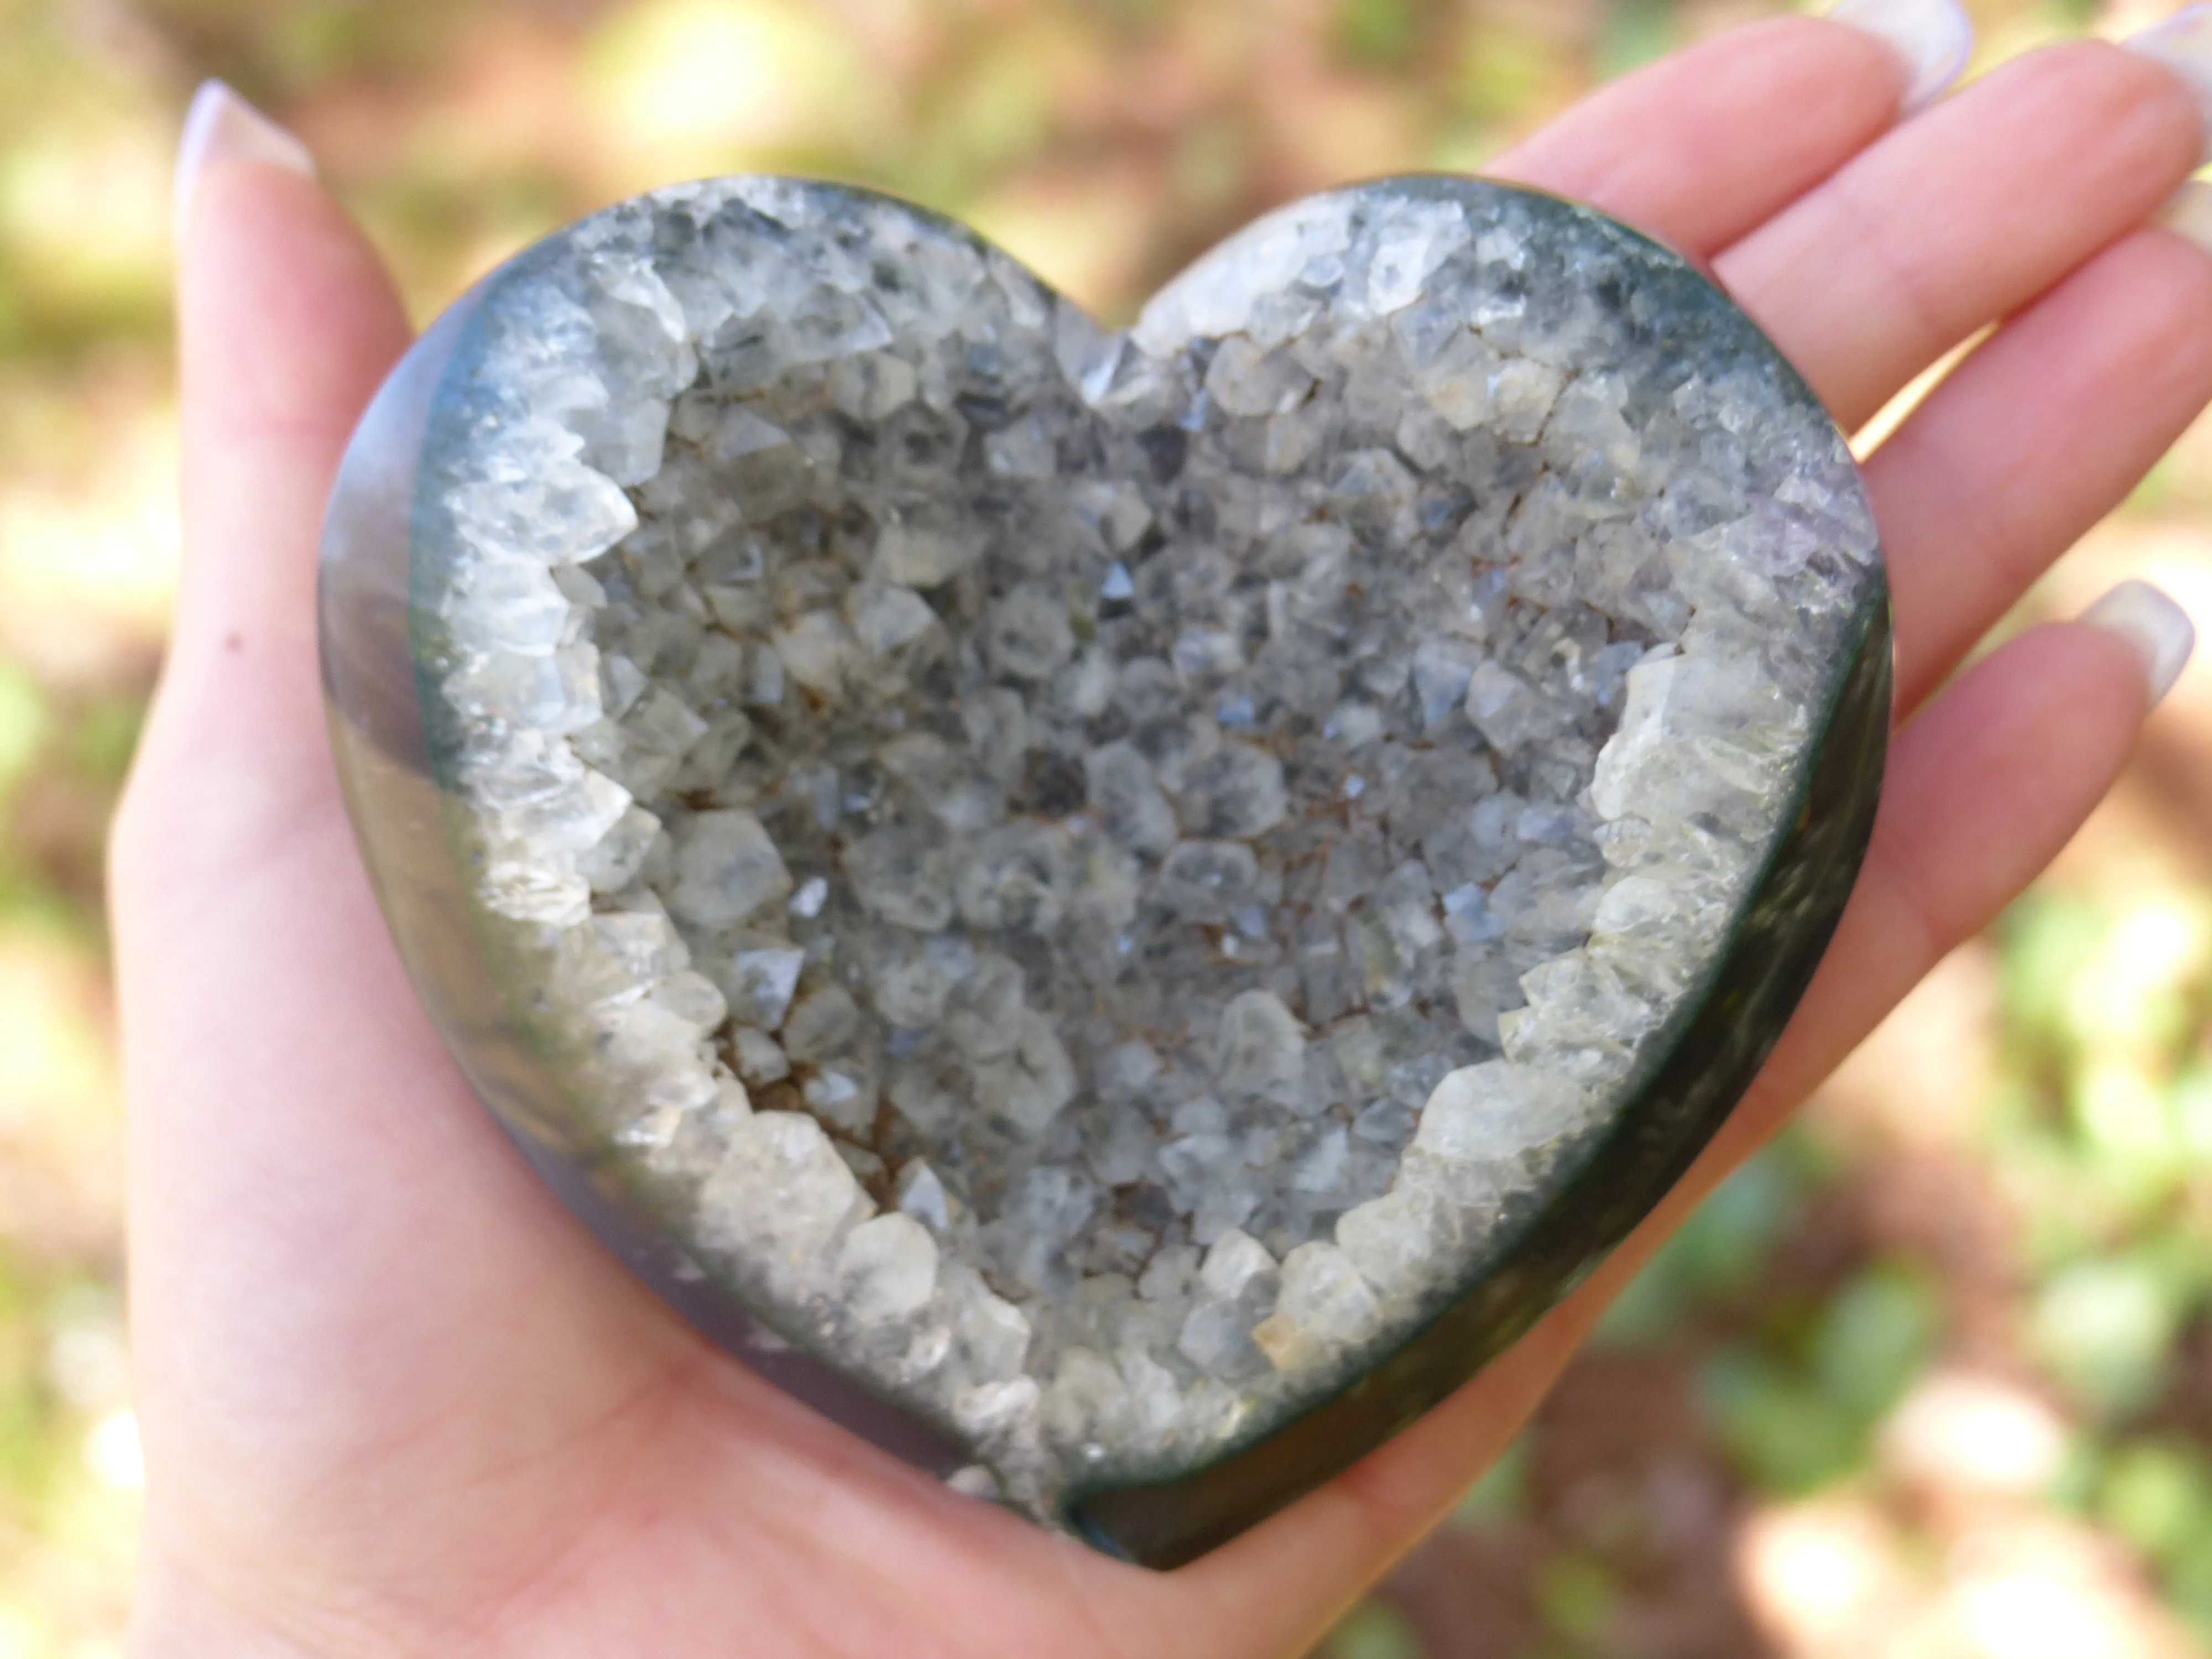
1873 1338
1716 1255
23 721
2104 1328
2187 1581
1650 1307
1505 70
1502 1494
2192 1114
2158 1496
1782 1434
1635 33
2045 941
1727 1244
1576 1595
106 736
1378 33
1373 1630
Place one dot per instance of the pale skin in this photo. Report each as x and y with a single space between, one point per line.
395 1401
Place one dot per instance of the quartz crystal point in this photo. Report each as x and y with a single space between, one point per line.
1120 912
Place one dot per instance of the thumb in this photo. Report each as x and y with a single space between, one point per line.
287 323
339 1268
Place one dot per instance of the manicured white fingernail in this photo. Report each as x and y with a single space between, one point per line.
222 126
2159 630
2188 213
1935 37
2183 44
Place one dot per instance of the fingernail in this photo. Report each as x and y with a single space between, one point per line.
1934 37
2188 213
222 126
2158 628
2183 44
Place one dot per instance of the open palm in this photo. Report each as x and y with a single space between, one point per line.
395 1401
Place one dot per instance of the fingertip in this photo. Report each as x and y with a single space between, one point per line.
2047 721
2183 44
287 324
2188 215
1933 40
2153 626
1991 780
222 126
286 319
2038 433
2061 692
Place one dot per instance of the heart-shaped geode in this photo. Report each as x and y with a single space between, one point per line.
1122 911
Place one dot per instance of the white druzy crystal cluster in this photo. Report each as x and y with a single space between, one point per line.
1097 877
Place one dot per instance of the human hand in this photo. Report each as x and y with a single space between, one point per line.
396 1401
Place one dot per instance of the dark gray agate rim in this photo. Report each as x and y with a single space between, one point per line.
1695 1071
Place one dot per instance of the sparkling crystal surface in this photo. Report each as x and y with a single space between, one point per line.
1099 884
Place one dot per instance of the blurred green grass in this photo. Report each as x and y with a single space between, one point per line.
1760 1376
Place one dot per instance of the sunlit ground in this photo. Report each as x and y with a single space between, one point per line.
1933 1377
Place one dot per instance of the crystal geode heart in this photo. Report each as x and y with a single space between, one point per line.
1121 911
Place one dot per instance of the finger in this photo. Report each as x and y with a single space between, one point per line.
1963 216
2037 435
320 1213
1983 790
287 323
1701 147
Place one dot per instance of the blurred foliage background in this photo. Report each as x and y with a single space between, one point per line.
1931 1377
